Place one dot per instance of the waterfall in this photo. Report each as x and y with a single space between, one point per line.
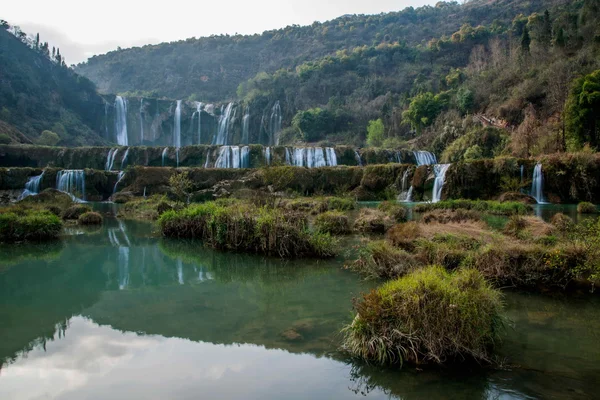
121 121
223 130
398 157
246 127
311 157
177 126
144 192
124 159
424 158
406 191
72 182
288 156
110 159
142 120
32 187
121 175
177 157
331 157
199 111
267 154
206 163
164 155
522 173
439 171
275 124
233 157
537 185
358 158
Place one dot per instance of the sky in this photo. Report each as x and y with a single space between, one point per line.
85 28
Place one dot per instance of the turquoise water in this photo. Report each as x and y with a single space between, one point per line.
118 312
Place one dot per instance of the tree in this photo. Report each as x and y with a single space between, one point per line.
4 24
314 123
48 138
375 133
582 114
180 185
423 109
465 100
560 40
37 41
525 41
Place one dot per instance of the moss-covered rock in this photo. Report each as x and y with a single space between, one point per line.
90 218
75 211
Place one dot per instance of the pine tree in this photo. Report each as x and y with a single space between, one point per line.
560 40
37 42
546 34
525 41
53 52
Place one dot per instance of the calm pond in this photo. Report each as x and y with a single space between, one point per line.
120 313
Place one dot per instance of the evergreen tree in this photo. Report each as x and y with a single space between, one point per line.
37 41
546 34
560 40
525 41
53 52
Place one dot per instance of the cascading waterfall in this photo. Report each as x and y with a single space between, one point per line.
121 175
199 112
425 158
358 158
439 171
246 127
164 155
121 121
537 185
72 182
275 124
177 156
398 157
32 187
142 120
177 126
124 159
207 159
406 191
110 159
223 127
233 157
311 157
331 157
267 154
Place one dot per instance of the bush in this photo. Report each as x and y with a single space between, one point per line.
17 224
333 222
562 222
340 204
586 208
379 259
428 316
48 138
75 211
396 211
370 221
90 218
403 235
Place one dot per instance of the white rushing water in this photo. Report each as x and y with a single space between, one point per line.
439 171
222 136
177 126
199 112
72 182
425 158
406 191
110 159
246 127
537 184
275 124
121 121
311 157
233 157
164 155
32 187
121 175
267 155
124 159
358 158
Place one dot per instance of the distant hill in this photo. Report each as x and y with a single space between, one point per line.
38 93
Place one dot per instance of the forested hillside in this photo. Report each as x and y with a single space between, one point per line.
41 99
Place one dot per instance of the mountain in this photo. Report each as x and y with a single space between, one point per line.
40 93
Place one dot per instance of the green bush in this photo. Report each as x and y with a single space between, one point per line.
90 218
340 204
48 138
28 225
333 222
586 208
396 211
75 211
429 316
379 259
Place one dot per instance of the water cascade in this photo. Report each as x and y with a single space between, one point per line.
331 157
537 185
358 158
246 127
72 182
406 191
124 159
142 121
267 154
398 157
164 155
275 124
177 126
110 159
177 156
439 171
121 121
223 129
199 111
311 157
121 175
233 157
207 159
425 158
32 187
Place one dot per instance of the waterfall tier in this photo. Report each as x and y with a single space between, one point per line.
72 182
439 171
32 187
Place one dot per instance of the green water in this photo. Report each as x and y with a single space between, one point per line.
117 312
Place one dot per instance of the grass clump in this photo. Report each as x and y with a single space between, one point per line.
394 210
75 211
239 226
586 208
141 208
486 206
371 221
404 235
333 222
447 216
90 218
562 222
379 259
27 224
429 316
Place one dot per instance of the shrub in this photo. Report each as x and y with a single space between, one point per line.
75 211
586 208
90 218
428 316
48 138
396 211
340 203
370 221
403 235
562 222
180 185
333 222
28 224
379 259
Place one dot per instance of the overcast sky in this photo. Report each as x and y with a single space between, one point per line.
84 28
